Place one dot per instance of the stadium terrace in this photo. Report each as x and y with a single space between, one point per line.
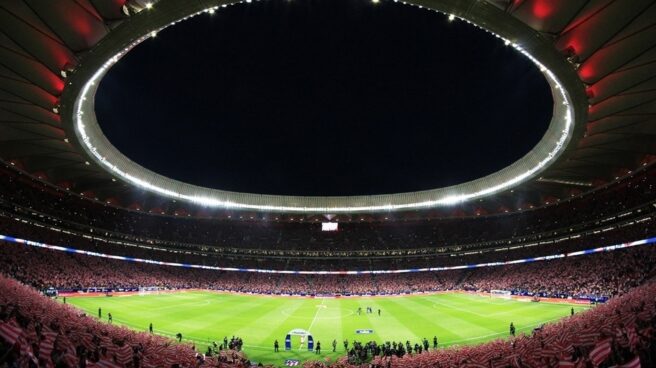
549 261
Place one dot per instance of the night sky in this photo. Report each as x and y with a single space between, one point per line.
324 97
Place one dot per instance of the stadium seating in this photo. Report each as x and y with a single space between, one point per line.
53 206
639 224
36 331
586 276
615 333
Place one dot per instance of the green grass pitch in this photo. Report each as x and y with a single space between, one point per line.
203 317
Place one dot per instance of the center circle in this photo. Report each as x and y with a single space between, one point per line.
324 97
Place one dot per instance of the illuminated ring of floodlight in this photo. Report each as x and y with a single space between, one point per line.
148 22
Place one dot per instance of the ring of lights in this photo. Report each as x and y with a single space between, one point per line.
570 106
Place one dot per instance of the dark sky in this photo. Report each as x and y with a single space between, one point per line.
323 97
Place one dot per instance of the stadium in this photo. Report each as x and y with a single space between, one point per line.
343 183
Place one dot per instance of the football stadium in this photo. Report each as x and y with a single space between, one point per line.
328 183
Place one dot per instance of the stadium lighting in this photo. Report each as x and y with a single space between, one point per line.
451 17
149 5
108 157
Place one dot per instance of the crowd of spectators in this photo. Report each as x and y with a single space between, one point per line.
604 274
30 197
607 274
38 332
35 331
640 226
620 333
624 211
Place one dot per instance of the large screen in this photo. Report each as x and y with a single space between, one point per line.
328 226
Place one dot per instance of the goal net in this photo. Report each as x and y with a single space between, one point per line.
505 294
148 290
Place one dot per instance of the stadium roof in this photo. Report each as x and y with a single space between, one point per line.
598 56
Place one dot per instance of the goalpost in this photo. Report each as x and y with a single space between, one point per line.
148 290
503 294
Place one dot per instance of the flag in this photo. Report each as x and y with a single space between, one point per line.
629 319
514 361
549 351
586 338
26 353
499 363
104 363
565 344
644 315
475 365
634 339
71 359
10 332
633 363
170 359
600 352
150 362
46 345
124 354
86 339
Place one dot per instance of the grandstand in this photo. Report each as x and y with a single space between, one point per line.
560 245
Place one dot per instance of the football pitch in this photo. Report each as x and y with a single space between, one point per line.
205 317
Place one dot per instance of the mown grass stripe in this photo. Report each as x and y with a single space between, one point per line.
208 316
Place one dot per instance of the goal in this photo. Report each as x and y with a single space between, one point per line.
504 294
148 290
